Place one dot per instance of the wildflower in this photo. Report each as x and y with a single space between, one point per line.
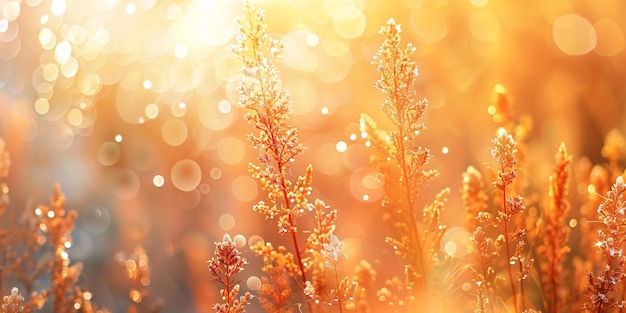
401 163
333 251
268 103
612 238
555 233
504 152
224 265
13 302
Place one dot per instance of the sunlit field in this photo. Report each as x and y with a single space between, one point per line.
312 156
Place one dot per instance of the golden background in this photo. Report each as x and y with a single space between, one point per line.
132 107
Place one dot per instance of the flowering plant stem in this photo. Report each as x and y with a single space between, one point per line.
507 248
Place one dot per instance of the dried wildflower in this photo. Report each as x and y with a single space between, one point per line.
365 277
555 232
520 127
614 150
481 300
434 227
5 164
344 288
344 291
508 219
611 240
325 226
58 224
504 152
501 107
275 289
395 294
309 291
13 303
401 162
474 198
269 108
224 265
20 249
34 246
508 228
484 271
333 252
5 159
137 266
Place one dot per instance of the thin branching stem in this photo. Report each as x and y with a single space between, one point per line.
411 206
339 295
406 177
508 249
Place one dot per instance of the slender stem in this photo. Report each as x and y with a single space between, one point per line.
2 263
406 178
339 295
413 224
623 297
606 278
484 268
552 307
227 286
521 287
277 150
508 249
294 238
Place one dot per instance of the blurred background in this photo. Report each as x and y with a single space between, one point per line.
131 106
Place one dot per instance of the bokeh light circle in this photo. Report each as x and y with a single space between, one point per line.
429 25
231 150
174 132
574 34
96 219
245 188
226 222
109 153
11 10
186 175
349 22
299 54
215 116
610 37
239 240
158 180
126 184
454 242
484 26
253 283
188 200
304 95
365 185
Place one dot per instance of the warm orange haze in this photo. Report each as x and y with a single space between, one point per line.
312 156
